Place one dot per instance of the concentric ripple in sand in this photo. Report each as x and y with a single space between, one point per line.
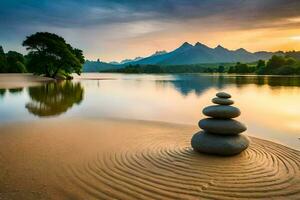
116 159
166 170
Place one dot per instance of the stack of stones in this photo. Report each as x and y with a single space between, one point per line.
221 134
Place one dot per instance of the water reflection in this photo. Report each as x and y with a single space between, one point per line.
54 98
272 81
2 92
270 105
187 84
15 90
198 84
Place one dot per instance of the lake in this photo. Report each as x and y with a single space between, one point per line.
270 105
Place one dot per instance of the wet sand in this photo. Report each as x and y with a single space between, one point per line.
9 81
123 159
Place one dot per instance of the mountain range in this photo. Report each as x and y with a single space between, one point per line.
188 54
200 53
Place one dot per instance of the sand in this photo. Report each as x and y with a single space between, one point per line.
9 81
122 159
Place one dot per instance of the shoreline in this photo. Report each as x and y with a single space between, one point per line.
143 160
19 80
204 73
143 121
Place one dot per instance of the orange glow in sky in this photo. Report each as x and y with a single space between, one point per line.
113 30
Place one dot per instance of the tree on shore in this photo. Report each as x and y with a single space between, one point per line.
221 69
50 55
2 60
15 62
12 62
282 65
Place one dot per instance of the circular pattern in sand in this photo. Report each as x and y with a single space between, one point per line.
162 170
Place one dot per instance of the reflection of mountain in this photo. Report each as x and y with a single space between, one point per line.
54 98
198 84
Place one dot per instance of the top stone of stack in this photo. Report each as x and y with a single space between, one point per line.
223 98
223 95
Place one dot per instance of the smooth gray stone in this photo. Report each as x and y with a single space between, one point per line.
219 145
223 95
222 126
222 101
221 111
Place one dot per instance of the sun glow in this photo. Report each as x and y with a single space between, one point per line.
297 37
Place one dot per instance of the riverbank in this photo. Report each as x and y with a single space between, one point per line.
126 159
9 81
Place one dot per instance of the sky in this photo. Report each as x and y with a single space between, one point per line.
113 30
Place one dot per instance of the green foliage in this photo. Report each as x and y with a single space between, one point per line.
15 62
49 54
12 62
20 67
160 69
282 65
277 65
231 70
261 67
261 63
3 63
275 62
221 69
241 68
293 54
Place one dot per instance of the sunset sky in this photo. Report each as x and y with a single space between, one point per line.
113 30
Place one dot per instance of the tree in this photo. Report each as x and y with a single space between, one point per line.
15 62
290 61
260 64
260 67
221 69
241 68
231 70
3 63
275 62
49 54
293 54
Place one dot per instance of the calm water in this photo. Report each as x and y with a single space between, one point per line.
270 105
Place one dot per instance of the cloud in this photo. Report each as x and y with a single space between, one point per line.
78 13
109 19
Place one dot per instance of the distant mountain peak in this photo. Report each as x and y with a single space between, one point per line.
186 44
130 60
219 47
198 44
242 50
200 53
159 53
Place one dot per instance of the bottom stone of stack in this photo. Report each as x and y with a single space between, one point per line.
224 145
